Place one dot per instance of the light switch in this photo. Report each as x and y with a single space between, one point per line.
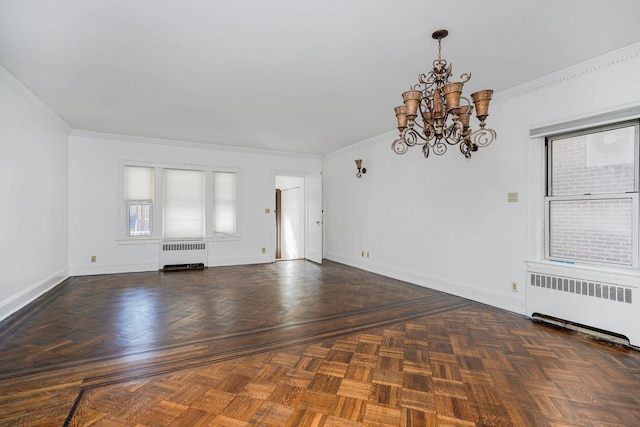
267 210
512 197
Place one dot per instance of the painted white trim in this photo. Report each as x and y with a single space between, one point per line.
26 93
241 260
190 144
514 303
142 267
30 294
158 202
82 270
608 60
630 278
536 169
389 137
601 117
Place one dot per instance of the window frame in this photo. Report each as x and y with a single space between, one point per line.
632 195
635 218
149 203
157 220
123 222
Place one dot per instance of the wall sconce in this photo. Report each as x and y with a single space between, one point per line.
361 170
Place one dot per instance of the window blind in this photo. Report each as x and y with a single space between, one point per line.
138 183
183 204
224 202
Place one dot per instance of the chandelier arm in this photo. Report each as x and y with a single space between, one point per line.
423 107
399 146
439 147
483 137
429 133
453 133
427 80
425 150
411 137
466 148
418 125
465 99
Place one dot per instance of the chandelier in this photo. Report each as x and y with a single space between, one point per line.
444 112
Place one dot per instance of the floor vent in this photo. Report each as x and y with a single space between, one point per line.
582 287
182 267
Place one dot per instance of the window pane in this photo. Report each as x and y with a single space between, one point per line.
596 163
138 183
139 219
599 230
183 213
224 202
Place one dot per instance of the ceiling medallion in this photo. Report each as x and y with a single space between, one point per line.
445 113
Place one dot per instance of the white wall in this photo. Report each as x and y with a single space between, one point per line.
444 222
33 194
94 206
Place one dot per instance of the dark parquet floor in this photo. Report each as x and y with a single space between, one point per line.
298 344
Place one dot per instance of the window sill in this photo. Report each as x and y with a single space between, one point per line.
224 238
156 240
139 241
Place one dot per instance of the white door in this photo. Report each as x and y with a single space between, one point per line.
313 247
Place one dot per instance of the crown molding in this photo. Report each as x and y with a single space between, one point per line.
190 144
21 89
388 136
608 60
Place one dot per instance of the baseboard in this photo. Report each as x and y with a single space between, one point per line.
513 303
96 269
21 299
241 260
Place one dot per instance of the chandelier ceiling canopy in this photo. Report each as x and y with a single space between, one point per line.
443 111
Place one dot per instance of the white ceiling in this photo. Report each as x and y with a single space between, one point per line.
295 75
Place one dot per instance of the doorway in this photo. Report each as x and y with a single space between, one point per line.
290 217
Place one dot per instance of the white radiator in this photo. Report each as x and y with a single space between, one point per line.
176 253
596 304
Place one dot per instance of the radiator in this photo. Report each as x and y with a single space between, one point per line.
587 304
181 253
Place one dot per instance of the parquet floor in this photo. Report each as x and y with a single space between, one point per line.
298 344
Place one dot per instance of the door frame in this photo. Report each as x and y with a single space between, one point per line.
303 210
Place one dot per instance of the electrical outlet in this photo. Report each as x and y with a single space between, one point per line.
264 250
514 286
93 258
362 253
367 254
